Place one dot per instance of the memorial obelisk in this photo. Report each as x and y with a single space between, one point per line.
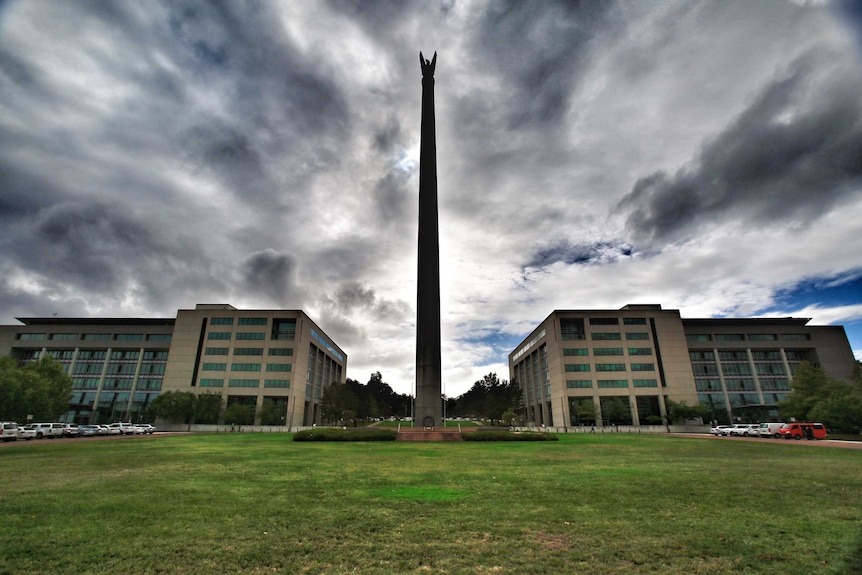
428 411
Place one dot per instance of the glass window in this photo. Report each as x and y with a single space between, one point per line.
251 336
607 383
604 321
762 337
697 337
281 351
579 351
704 369
128 354
795 336
640 351
245 367
96 337
739 384
610 367
701 356
248 351
252 321
577 367
708 384
159 337
578 383
571 328
32 336
216 351
214 366
278 367
212 383
221 321
129 337
643 367
64 336
218 335
644 383
637 335
608 351
729 337
244 383
276 383
634 321
601 336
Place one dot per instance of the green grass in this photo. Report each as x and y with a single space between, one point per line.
261 503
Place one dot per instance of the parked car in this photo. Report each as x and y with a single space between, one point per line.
89 430
125 428
769 430
148 429
48 430
26 432
8 431
720 430
108 430
745 429
799 430
71 430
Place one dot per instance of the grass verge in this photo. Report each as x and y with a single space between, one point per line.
261 503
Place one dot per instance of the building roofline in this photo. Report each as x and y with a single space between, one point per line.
747 321
96 321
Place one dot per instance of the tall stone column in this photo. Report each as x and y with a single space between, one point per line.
428 411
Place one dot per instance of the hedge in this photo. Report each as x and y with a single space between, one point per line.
338 434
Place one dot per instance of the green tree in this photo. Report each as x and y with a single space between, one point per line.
207 408
239 414
586 411
680 411
176 406
617 411
42 389
338 403
817 397
272 413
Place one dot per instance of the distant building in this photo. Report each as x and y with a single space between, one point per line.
255 357
623 365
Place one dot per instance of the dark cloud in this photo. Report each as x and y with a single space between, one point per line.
272 274
794 154
539 75
580 254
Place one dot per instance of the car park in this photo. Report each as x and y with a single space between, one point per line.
70 430
108 430
26 432
745 429
720 430
8 431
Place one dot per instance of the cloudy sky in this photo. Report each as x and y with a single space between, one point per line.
706 156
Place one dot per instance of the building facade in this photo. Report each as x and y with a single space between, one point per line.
275 361
622 366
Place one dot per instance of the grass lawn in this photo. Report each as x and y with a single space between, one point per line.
597 504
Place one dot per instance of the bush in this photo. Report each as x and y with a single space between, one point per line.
508 436
338 434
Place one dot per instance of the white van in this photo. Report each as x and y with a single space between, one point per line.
770 429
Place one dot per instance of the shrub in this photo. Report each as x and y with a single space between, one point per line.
508 436
338 434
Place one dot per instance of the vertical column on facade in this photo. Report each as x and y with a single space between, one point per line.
727 406
755 376
102 375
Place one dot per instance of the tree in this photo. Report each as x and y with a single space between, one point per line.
617 411
239 413
490 397
176 406
586 411
207 408
41 389
680 411
818 397
338 403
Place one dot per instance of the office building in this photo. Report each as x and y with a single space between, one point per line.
621 366
275 361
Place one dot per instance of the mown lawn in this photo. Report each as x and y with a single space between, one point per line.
597 504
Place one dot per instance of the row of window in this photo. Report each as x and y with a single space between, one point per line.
584 367
94 337
242 335
704 337
742 355
143 384
240 321
583 351
277 383
248 351
609 383
247 367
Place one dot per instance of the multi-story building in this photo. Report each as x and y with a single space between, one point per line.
621 366
118 366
